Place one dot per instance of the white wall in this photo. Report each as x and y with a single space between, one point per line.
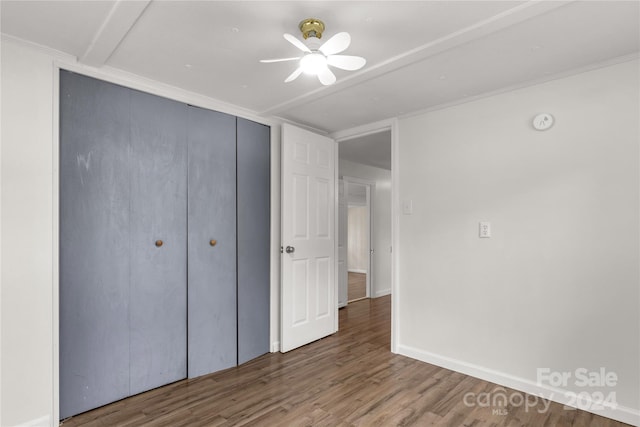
28 299
381 206
557 285
27 236
358 239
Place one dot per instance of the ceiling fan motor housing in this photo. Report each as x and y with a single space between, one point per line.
311 27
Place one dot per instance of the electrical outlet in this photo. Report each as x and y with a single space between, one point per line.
485 229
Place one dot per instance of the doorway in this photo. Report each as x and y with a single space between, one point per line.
364 216
296 152
359 262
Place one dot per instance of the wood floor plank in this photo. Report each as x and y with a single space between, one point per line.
348 379
356 286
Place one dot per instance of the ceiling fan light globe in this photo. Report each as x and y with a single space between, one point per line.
313 63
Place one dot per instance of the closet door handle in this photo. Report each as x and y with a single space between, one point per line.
213 242
159 243
290 249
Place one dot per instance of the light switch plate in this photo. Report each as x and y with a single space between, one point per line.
485 229
407 207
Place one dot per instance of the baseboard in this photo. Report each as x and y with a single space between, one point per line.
382 293
355 270
44 421
275 346
564 397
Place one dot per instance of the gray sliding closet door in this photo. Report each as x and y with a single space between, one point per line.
158 307
253 239
94 243
158 279
212 340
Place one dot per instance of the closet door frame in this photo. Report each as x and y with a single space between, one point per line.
61 62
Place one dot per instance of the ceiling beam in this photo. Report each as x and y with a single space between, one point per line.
515 15
121 18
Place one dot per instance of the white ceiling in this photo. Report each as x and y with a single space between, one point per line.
420 54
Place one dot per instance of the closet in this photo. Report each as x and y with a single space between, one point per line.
164 242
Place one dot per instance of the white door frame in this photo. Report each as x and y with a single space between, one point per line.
343 247
383 125
371 186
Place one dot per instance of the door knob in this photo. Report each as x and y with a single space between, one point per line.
213 242
290 249
159 243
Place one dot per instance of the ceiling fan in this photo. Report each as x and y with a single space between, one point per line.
317 57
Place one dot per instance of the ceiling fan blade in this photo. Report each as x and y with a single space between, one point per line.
346 62
293 75
268 61
326 77
336 44
297 43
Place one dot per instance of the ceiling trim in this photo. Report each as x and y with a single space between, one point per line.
515 15
121 18
66 61
363 130
58 54
319 131
154 87
572 72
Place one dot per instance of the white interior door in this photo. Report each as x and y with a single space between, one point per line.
343 275
309 305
